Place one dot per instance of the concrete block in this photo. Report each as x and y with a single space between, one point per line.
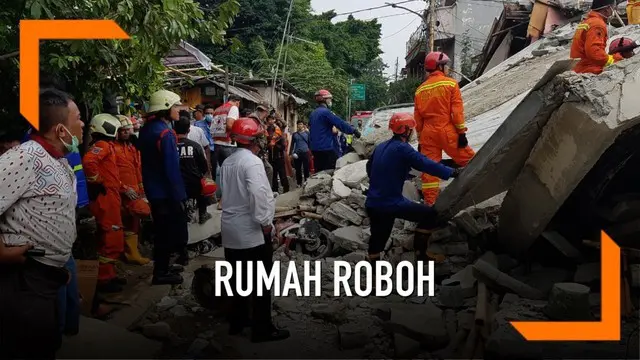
340 190
588 274
466 280
468 223
317 183
494 277
451 295
353 175
349 238
353 336
410 191
422 323
569 302
563 245
340 214
290 199
347 159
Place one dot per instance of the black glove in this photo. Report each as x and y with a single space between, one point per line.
456 172
95 190
357 134
462 141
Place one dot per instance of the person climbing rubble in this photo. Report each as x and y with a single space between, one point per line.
164 186
388 169
247 227
104 188
439 117
590 40
623 46
321 123
134 204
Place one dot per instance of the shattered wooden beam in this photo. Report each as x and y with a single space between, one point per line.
496 278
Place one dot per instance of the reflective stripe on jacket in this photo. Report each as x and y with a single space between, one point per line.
589 45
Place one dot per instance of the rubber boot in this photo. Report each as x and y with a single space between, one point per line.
132 253
421 243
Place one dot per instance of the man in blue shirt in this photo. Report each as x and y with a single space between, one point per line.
204 122
321 123
164 186
300 152
388 169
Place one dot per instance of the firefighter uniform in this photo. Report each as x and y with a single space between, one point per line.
439 116
129 168
589 45
101 170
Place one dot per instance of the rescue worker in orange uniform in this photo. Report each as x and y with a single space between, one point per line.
590 40
103 183
134 204
439 116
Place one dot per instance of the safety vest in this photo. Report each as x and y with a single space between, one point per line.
219 123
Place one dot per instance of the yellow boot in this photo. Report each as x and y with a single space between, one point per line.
132 253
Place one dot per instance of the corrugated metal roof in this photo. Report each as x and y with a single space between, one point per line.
248 95
298 100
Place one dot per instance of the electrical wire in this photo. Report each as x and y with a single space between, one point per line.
398 32
375 8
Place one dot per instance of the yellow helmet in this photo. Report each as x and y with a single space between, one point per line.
163 100
105 124
125 122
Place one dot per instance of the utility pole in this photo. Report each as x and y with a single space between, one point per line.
432 24
284 35
396 75
226 83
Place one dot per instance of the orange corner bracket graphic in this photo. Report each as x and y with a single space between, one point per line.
607 329
32 31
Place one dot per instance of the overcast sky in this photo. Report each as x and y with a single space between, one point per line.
395 29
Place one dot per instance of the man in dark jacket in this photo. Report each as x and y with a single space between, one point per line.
277 147
193 166
164 186
321 123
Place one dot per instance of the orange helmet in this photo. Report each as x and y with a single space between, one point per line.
622 45
400 123
434 59
322 95
245 130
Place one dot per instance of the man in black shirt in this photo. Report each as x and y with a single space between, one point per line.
193 166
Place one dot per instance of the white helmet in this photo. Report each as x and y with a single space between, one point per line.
105 124
163 100
125 122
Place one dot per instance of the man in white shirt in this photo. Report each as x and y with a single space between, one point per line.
37 207
247 218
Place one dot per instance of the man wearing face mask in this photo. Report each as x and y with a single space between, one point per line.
439 116
204 123
590 40
37 212
164 186
105 189
321 123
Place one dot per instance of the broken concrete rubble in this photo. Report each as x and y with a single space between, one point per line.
317 183
347 159
340 190
425 326
353 175
569 302
350 238
340 214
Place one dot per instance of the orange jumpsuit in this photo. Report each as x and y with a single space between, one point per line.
589 45
439 116
100 167
129 169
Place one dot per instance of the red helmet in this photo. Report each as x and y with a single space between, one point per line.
208 186
622 45
245 130
322 95
400 123
434 59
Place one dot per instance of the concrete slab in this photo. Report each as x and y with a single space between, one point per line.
571 143
499 161
101 340
213 227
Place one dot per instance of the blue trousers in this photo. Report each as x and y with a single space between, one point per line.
69 302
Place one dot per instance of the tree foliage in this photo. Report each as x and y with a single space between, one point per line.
403 91
329 56
131 68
